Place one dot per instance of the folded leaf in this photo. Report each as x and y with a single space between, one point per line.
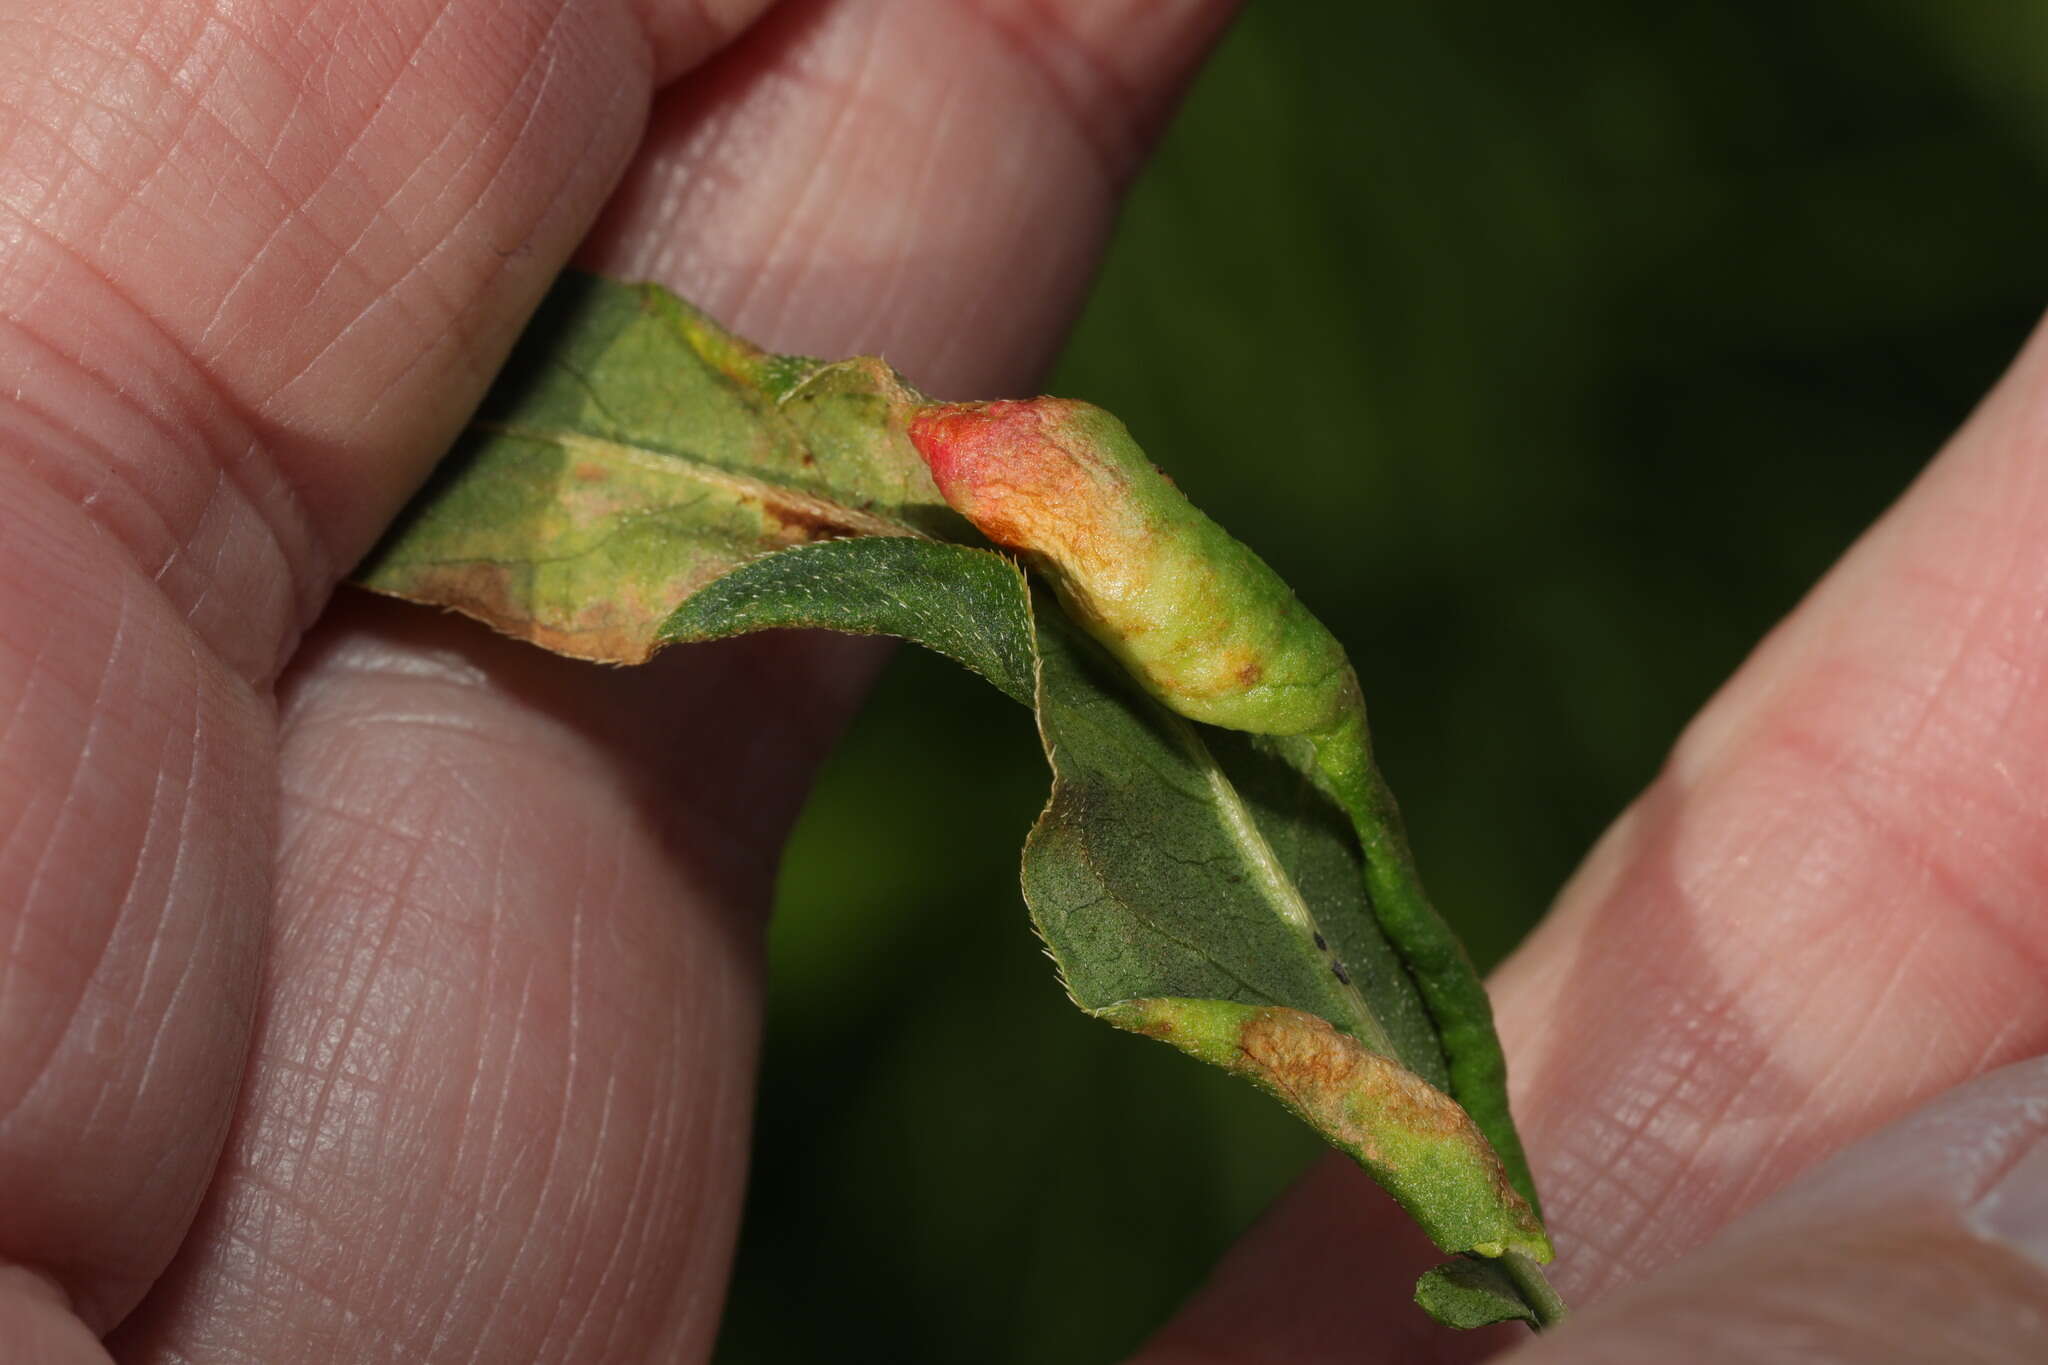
639 477
630 453
1469 1292
1214 905
1160 870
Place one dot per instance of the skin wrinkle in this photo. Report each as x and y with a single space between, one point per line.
182 557
27 216
459 1226
29 913
536 1204
198 65
467 1233
143 857
1106 124
1618 1161
87 709
1636 1163
282 529
889 298
704 1126
587 1191
304 57
558 1140
292 1222
1894 830
589 1187
1757 1178
1705 1110
1754 1181
462 326
150 1215
1804 1264
358 986
348 258
238 111
1870 1020
848 111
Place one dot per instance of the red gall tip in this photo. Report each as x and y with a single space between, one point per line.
1002 465
960 440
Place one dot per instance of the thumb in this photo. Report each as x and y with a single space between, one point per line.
1925 1242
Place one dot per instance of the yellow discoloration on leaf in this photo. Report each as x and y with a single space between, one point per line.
633 452
1414 1139
600 487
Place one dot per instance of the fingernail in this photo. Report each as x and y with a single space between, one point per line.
2014 1210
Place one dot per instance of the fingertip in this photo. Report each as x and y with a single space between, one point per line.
1926 1241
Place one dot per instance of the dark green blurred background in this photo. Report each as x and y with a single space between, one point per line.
1550 352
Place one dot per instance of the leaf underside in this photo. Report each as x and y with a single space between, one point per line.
639 477
1471 1292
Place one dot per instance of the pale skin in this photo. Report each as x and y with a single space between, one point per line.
376 989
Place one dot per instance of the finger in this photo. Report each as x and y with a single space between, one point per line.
1325 1277
537 864
1826 909
1928 1241
497 1103
254 262
958 165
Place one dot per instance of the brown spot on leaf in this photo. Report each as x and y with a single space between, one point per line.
800 523
1328 1076
1414 1139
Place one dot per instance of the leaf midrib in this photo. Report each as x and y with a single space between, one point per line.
1271 877
668 463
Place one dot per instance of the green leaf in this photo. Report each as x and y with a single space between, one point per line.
632 452
1158 871
1195 887
639 477
1451 990
1212 903
1472 1292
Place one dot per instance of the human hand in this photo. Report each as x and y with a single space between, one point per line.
1824 915
448 950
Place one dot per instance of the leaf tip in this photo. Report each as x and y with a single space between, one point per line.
1470 1292
1411 1137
